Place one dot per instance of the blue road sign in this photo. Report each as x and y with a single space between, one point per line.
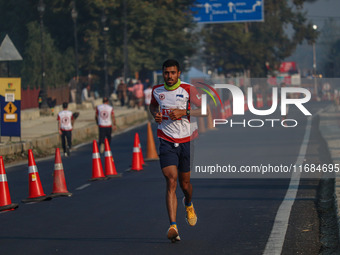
221 11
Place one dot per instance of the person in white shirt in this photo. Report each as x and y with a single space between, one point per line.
65 124
85 96
105 119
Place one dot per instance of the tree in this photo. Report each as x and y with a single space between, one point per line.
329 48
248 46
156 30
332 66
159 30
57 66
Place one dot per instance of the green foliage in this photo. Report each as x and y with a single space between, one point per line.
332 66
159 30
329 45
234 47
57 66
156 30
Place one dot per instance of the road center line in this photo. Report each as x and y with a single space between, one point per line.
277 236
83 186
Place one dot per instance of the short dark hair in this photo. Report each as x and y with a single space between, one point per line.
65 105
171 62
105 100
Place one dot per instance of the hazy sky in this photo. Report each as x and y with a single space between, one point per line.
321 9
317 12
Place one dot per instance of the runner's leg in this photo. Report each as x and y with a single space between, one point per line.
63 137
170 174
186 186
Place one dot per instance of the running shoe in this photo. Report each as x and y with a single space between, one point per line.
173 233
191 216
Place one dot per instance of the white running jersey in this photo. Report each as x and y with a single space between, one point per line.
147 95
184 129
104 113
65 117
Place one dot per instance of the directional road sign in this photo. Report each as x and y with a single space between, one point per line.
10 107
221 11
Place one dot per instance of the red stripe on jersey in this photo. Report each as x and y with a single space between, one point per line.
153 99
194 96
161 134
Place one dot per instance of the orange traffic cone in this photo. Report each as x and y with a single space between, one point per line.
141 152
227 108
97 167
245 104
59 183
5 198
269 100
136 155
150 146
36 192
259 101
110 168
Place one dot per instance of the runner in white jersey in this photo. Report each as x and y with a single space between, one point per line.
105 118
171 107
65 124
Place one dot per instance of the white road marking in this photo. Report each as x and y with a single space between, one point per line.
277 236
83 186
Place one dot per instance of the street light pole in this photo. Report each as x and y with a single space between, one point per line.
315 27
74 15
41 10
105 30
125 50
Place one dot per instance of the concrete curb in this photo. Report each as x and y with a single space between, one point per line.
330 130
78 134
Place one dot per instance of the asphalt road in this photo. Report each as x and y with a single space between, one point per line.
127 215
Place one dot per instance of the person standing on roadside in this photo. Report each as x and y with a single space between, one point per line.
147 100
121 92
171 107
65 124
105 119
138 93
85 95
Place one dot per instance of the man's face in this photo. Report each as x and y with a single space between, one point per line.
171 75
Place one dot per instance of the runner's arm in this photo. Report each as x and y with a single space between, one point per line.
157 115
